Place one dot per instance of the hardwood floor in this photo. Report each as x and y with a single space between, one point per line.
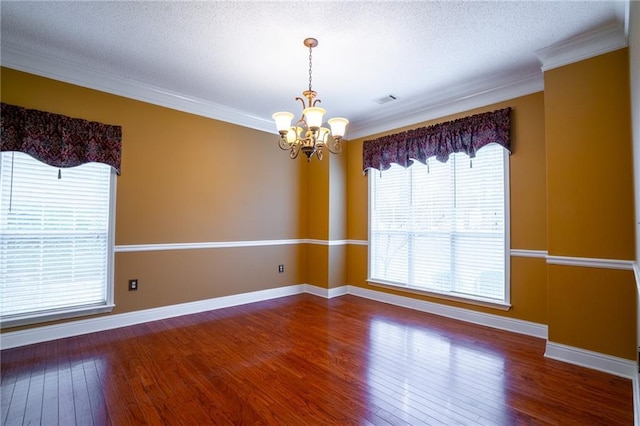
304 360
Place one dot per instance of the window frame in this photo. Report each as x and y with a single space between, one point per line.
85 310
505 304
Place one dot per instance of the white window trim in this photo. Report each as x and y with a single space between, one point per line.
507 227
472 300
88 309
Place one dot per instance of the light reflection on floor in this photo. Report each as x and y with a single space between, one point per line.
55 387
434 378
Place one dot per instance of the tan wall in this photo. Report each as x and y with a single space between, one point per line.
171 277
634 70
337 266
327 220
589 162
318 199
528 209
188 179
317 266
594 309
338 196
590 203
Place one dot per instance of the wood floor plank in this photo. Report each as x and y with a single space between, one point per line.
8 379
304 360
66 403
50 389
17 383
35 396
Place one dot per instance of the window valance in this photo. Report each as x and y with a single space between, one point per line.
467 135
58 140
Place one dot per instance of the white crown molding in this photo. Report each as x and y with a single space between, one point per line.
54 68
597 361
459 98
591 262
585 46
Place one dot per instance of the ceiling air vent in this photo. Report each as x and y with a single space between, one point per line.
385 99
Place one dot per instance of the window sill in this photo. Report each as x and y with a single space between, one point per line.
467 300
55 315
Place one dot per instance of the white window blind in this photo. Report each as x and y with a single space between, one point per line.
442 227
56 245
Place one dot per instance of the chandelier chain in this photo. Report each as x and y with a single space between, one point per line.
310 62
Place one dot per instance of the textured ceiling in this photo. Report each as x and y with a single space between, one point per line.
235 59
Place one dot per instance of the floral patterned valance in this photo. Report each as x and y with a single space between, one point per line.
467 135
58 140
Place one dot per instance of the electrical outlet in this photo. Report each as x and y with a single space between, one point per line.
133 285
280 268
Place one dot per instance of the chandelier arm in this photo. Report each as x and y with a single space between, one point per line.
283 144
295 150
337 146
301 100
302 123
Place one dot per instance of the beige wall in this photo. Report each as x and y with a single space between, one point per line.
188 179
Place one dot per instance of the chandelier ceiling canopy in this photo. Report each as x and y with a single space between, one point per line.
308 135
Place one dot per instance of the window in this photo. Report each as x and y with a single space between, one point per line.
56 239
443 227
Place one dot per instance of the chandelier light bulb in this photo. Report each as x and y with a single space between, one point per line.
283 121
338 126
313 116
293 134
323 135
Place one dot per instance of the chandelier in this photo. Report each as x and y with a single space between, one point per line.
308 135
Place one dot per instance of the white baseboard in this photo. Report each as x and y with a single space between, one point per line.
46 333
30 336
467 315
338 291
636 399
606 363
596 361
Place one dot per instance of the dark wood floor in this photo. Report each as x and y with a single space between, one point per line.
305 360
